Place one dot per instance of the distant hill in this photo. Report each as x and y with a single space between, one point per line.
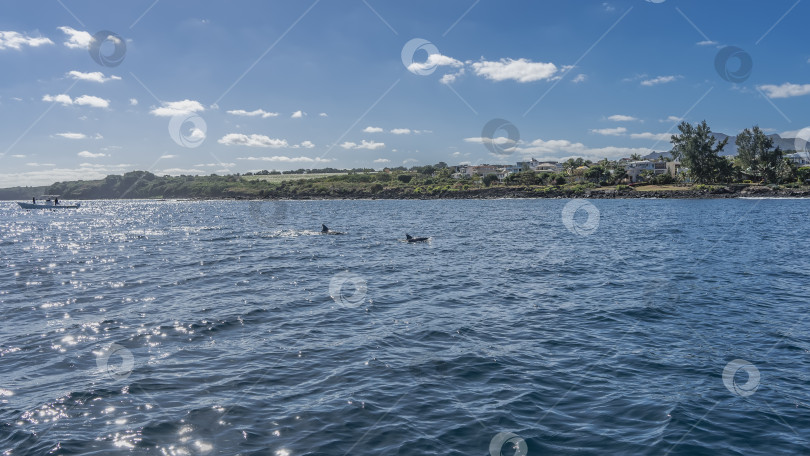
786 144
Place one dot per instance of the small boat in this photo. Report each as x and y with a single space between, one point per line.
47 202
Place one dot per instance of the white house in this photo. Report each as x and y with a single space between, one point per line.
635 168
799 159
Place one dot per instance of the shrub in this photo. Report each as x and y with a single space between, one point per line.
404 178
489 179
803 173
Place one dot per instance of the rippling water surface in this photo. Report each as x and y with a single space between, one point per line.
186 328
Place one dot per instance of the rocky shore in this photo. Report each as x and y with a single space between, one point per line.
710 192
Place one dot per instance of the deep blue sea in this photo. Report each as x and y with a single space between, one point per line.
523 327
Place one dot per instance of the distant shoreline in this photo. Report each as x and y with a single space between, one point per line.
144 185
493 193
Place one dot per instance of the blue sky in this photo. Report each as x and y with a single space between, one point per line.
225 87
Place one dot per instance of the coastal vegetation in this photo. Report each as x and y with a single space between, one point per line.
703 171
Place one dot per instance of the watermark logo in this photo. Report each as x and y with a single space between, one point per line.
39 279
730 373
188 130
347 289
117 361
516 445
733 64
409 52
268 212
108 48
574 224
801 144
661 293
500 145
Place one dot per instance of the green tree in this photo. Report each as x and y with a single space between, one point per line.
524 178
444 173
404 178
597 174
757 157
803 174
489 179
695 148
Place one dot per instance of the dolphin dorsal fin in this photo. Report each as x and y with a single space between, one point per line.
408 236
324 228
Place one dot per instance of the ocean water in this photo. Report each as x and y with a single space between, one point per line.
523 327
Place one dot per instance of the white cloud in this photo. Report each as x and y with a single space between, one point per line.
212 165
238 139
77 39
16 40
409 160
179 171
401 131
72 135
307 145
610 131
580 78
89 100
659 80
85 171
88 154
707 43
298 114
622 118
95 76
323 114
175 108
673 119
504 144
255 113
654 136
167 156
785 90
371 129
450 78
61 98
434 60
382 160
369 145
284 159
18 156
133 102
84 100
521 70
561 149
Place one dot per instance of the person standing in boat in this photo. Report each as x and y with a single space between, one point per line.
34 200
55 201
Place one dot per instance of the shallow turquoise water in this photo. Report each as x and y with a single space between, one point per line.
146 327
